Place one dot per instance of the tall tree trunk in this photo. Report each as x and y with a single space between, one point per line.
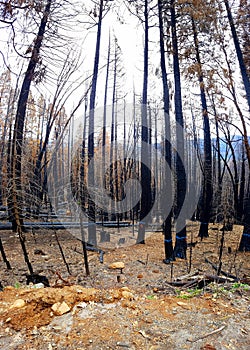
235 176
242 186
4 142
112 177
125 164
239 54
82 185
16 158
207 188
218 196
36 182
135 169
92 239
245 240
104 127
16 171
9 189
146 199
181 235
167 193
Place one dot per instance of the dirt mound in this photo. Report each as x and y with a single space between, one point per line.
119 318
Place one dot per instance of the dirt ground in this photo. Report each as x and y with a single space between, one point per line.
137 307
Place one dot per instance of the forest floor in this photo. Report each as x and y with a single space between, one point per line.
139 308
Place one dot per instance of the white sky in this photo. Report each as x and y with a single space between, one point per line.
130 39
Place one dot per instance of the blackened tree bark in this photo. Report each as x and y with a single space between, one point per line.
104 126
218 170
82 185
9 197
91 204
245 240
4 141
167 195
207 188
240 211
234 173
16 169
243 68
112 177
146 197
181 235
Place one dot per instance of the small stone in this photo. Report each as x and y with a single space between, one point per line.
82 305
35 331
38 285
130 304
123 345
8 320
148 320
39 252
117 265
127 295
143 333
183 305
60 308
19 303
140 276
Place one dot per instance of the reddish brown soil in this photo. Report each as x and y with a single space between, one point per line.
137 309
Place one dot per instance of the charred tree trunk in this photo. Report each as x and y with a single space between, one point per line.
218 171
207 188
4 142
181 235
104 126
242 187
92 239
146 198
239 54
16 153
112 177
245 239
16 169
167 193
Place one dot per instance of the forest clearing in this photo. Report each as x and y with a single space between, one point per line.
147 305
124 174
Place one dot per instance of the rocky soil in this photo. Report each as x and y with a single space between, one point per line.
139 306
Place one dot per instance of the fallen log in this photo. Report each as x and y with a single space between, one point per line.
201 281
219 279
215 267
